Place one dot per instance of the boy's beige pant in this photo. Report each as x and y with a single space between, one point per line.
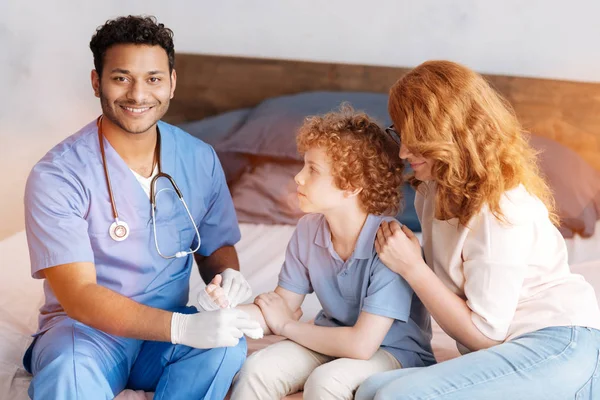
287 367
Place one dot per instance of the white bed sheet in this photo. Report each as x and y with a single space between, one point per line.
261 252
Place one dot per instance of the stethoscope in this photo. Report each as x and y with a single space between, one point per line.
119 230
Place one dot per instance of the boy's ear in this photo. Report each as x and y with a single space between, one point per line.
352 192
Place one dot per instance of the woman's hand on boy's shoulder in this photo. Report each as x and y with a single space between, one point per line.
398 248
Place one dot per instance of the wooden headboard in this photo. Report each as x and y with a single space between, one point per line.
568 112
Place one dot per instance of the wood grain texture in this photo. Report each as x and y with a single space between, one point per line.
568 112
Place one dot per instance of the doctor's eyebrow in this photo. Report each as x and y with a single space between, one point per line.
126 71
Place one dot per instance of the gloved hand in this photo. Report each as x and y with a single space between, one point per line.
207 330
213 296
236 288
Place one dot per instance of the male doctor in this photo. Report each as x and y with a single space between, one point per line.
117 267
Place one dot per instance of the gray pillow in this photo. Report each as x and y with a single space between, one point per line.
267 194
270 129
215 130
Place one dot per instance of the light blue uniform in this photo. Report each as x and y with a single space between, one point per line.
68 213
362 283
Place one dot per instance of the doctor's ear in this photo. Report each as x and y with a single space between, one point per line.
173 83
95 83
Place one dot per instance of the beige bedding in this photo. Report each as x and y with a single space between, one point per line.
261 252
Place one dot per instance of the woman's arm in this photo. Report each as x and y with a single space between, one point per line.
399 249
449 310
360 341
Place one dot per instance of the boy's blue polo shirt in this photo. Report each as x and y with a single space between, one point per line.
362 283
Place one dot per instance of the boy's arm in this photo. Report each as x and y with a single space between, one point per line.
292 300
360 341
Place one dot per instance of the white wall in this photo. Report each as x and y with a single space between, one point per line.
45 60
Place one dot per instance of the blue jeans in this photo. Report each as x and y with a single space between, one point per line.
552 363
74 361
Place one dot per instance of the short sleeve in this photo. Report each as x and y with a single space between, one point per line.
388 294
55 210
294 274
219 227
495 262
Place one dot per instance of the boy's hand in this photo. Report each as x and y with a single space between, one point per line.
275 311
213 296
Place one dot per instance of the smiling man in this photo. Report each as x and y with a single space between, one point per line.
116 257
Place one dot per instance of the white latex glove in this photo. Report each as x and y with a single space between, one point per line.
236 288
207 330
254 333
213 296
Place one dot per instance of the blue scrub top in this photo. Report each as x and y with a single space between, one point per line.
361 283
68 214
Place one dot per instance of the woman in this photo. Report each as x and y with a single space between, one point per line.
495 275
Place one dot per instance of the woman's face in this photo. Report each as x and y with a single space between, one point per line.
421 166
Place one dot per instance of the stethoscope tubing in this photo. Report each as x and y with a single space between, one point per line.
118 226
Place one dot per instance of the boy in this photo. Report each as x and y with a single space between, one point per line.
371 321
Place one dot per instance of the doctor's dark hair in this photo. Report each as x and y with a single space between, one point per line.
131 30
362 156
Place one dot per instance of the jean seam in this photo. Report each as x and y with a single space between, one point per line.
573 334
592 378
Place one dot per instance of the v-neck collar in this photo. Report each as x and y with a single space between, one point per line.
122 177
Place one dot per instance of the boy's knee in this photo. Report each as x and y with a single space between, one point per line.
252 370
258 379
327 383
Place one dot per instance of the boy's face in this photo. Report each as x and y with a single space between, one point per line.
317 192
136 87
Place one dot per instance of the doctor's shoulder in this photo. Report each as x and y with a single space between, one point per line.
64 168
187 141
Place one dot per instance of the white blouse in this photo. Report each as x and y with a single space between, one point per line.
514 277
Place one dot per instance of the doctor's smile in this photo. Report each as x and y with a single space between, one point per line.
136 111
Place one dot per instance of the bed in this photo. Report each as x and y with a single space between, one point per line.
224 100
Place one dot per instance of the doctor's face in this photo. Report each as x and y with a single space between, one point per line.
317 192
136 87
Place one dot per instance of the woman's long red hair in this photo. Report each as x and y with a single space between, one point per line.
450 114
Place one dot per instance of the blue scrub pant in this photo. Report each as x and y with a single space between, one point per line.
551 363
73 361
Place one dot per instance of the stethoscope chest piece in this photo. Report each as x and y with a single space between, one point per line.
119 230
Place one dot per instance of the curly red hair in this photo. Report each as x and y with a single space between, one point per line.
361 156
450 114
